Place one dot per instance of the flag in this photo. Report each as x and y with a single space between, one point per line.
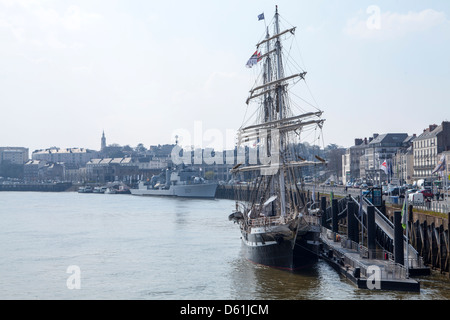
384 167
441 165
261 16
254 59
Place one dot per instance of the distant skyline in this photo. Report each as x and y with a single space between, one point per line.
140 70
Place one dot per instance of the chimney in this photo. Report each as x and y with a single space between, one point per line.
432 127
358 142
375 135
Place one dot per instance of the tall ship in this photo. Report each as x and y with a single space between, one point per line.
175 182
278 227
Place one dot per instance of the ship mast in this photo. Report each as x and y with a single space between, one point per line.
275 125
280 116
268 102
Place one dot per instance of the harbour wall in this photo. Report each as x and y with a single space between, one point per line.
36 187
428 234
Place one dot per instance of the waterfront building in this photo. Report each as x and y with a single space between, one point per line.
77 156
382 148
351 161
32 170
403 161
41 170
111 169
433 141
13 155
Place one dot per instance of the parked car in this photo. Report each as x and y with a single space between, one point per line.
416 198
426 193
394 191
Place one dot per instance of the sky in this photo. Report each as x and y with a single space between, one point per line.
143 70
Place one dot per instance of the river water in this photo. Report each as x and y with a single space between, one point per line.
74 246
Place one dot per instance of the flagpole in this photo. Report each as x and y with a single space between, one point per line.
362 217
446 184
407 235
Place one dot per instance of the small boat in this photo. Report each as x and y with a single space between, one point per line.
117 188
99 189
86 189
110 191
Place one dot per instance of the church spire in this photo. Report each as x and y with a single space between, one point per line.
103 141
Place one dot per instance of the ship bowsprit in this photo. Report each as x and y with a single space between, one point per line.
236 216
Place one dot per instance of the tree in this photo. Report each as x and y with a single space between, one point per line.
140 148
209 175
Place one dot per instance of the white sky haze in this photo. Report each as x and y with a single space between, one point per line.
140 70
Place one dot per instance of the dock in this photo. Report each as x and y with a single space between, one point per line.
376 271
426 240
367 248
36 187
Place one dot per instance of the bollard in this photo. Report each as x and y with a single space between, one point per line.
352 223
323 206
334 212
399 256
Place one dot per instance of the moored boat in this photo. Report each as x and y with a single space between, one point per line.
277 227
177 183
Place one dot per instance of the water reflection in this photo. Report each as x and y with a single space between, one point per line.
320 282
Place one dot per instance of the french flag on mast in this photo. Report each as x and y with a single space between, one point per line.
384 167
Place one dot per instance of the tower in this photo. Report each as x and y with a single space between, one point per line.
103 142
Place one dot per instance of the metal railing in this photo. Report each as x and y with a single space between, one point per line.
390 270
441 206
312 220
266 221
415 260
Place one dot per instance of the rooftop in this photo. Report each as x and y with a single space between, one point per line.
389 139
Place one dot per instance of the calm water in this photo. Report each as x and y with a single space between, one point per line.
129 247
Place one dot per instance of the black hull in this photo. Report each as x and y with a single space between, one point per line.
282 254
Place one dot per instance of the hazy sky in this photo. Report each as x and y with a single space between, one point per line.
140 70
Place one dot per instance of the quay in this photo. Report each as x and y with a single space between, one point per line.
36 187
366 248
366 272
365 245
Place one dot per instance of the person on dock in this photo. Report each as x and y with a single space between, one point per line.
428 203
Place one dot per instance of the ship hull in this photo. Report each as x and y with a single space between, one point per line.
207 191
282 254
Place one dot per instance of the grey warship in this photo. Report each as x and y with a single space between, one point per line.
175 182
